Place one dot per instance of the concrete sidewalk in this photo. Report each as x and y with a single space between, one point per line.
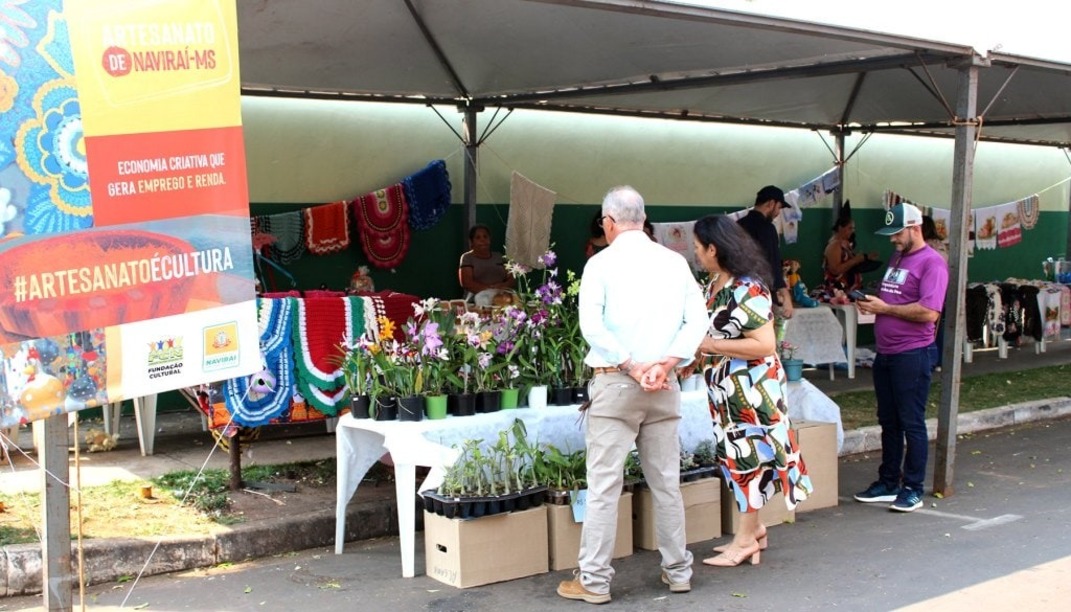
1001 538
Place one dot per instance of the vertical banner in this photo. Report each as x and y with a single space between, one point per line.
126 264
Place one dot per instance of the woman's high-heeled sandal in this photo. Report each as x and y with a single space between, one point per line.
732 558
762 540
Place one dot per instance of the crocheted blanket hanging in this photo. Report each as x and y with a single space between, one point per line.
289 231
382 222
319 326
428 194
327 228
256 400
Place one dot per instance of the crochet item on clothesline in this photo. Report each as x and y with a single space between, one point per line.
382 222
428 194
327 228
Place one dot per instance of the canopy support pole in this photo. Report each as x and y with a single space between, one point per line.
952 352
472 147
838 193
57 580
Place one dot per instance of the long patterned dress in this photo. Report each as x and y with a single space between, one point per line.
756 446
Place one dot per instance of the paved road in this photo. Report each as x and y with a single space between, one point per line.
1004 534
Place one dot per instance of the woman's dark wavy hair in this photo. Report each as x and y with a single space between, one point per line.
477 227
737 253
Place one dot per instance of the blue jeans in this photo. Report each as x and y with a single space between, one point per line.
902 384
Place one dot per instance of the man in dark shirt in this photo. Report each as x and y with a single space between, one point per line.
758 222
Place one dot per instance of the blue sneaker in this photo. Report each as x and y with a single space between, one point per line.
878 492
908 500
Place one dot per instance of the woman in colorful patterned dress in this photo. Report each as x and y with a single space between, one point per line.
756 447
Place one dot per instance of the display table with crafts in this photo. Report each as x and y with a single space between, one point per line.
817 335
361 442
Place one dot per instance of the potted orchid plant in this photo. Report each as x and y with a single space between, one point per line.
432 325
793 367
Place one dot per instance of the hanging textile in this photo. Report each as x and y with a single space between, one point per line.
1029 211
382 222
1049 303
679 238
327 228
428 195
1065 305
528 228
289 231
1009 232
985 228
255 400
319 326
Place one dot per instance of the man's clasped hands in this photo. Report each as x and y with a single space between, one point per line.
653 375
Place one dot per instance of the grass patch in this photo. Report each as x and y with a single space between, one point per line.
116 509
859 408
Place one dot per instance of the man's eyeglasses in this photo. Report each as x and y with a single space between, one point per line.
602 220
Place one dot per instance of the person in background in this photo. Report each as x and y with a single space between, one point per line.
648 229
758 223
932 238
638 333
840 261
907 307
482 269
755 444
597 239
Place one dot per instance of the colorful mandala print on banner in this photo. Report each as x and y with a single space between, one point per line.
45 188
382 219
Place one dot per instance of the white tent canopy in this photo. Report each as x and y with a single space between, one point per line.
641 58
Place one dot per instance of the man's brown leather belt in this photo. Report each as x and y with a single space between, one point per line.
610 370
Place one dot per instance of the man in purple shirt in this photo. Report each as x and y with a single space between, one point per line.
907 309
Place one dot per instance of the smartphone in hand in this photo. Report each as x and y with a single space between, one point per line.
857 295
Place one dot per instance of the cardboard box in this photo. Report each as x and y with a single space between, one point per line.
702 514
773 513
818 446
564 533
466 553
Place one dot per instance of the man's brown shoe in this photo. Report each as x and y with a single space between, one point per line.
676 587
573 589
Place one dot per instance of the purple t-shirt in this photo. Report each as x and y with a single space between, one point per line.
921 276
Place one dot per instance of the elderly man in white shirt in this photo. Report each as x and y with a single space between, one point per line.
642 313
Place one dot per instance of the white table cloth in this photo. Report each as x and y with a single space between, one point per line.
361 442
849 315
818 335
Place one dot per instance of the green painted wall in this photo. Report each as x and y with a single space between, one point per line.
430 269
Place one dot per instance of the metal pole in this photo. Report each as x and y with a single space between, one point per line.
962 188
838 195
56 576
472 146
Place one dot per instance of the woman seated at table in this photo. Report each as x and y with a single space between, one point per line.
755 444
483 271
841 264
